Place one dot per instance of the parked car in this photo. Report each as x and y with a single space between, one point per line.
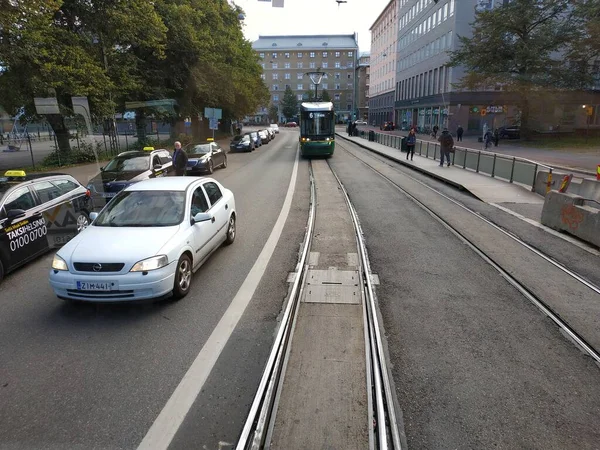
147 242
388 126
242 143
361 122
255 136
128 168
291 124
271 133
264 136
274 127
205 158
38 213
510 132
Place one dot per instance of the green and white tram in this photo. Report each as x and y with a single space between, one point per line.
317 129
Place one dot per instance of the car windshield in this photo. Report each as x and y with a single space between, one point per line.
128 163
143 209
202 149
237 138
245 138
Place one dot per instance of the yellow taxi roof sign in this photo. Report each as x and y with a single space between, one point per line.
148 149
15 173
210 140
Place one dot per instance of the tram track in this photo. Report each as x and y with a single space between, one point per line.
546 309
381 413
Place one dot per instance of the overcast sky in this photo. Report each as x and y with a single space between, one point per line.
312 17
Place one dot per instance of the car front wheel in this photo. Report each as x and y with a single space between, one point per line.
211 168
224 165
83 220
230 231
183 277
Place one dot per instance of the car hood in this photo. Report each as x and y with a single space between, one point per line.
117 244
108 177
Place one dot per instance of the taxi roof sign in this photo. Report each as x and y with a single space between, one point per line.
148 149
15 174
210 140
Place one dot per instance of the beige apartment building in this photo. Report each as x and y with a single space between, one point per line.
363 81
287 59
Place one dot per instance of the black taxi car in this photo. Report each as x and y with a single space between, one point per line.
38 213
128 168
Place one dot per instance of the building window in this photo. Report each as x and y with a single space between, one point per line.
288 86
287 55
288 76
349 106
338 86
325 76
312 54
337 54
312 65
324 85
337 75
325 65
275 97
274 55
336 97
451 7
324 54
299 97
299 65
299 54
350 64
337 65
274 65
445 11
350 86
276 76
261 55
349 75
300 87
263 65
299 76
287 65
350 54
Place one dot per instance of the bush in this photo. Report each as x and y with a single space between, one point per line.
83 154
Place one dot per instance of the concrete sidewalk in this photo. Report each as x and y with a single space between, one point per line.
486 188
568 159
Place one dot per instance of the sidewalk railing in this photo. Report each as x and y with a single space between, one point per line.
510 168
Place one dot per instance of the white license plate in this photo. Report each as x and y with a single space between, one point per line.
108 194
97 286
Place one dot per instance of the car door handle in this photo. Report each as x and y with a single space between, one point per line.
226 206
212 220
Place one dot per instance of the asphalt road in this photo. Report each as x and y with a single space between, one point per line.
475 364
97 376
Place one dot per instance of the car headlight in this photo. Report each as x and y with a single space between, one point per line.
59 264
146 265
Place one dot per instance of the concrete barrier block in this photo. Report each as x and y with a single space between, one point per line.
590 189
568 212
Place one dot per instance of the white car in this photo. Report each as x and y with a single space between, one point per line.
274 127
361 122
265 137
147 242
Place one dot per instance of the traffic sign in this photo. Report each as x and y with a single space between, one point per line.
213 124
213 113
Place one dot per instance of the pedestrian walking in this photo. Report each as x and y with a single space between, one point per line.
487 138
459 133
496 137
446 146
435 131
411 141
180 159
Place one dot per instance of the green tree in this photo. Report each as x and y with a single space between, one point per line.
273 113
289 105
522 47
325 96
54 48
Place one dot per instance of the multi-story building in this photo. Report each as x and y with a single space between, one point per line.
286 60
363 81
384 36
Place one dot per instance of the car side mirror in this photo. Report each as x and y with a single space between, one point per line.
13 214
101 169
93 216
202 217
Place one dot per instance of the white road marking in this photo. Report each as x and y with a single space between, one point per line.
164 428
569 239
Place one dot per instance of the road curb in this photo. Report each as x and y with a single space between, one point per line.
412 166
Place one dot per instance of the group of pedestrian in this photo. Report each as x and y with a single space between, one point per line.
446 143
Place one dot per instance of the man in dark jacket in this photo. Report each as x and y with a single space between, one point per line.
180 159
446 146
459 133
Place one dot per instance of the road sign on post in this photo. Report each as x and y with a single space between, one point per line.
213 113
213 124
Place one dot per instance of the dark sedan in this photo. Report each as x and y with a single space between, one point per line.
128 168
242 144
205 158
510 132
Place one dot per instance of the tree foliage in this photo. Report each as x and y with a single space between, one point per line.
325 96
289 105
114 51
528 48
273 113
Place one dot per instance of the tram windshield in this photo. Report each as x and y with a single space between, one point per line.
317 123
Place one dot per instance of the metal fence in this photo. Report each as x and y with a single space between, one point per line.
510 168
